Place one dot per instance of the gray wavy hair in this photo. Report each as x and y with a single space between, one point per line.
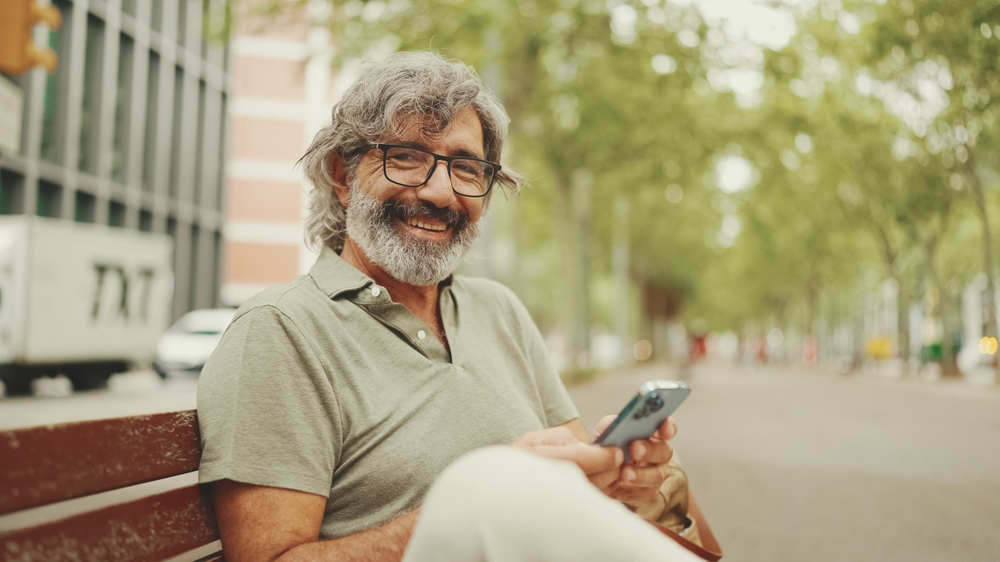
386 96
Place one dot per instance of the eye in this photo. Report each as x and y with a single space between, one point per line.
467 167
407 157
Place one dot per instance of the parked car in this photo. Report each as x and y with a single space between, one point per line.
191 340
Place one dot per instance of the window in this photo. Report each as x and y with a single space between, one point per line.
220 179
152 108
199 155
11 192
145 221
178 129
156 18
116 214
49 199
54 103
195 274
123 94
182 15
83 210
92 78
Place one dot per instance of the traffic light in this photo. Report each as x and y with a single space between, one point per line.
18 54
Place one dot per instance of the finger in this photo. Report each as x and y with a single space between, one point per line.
644 477
634 496
553 436
667 429
591 459
650 451
606 481
601 426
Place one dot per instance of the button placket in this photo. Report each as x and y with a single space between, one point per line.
403 321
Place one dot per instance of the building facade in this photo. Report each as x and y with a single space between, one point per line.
282 94
130 131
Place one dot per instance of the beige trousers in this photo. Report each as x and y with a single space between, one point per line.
501 504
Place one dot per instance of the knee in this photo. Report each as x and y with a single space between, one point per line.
466 499
480 478
493 481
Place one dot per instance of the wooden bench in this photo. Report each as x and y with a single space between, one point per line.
125 490
110 490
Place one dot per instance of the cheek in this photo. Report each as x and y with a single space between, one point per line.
475 208
370 167
373 183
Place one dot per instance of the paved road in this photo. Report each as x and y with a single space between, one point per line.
795 467
788 466
128 394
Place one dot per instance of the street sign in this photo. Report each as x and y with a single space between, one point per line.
11 112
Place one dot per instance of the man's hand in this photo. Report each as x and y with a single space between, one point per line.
600 464
641 478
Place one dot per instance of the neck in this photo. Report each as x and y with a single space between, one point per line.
420 300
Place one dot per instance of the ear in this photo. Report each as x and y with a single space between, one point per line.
338 171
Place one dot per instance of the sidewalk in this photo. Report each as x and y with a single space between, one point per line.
793 465
128 394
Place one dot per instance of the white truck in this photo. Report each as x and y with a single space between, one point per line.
82 300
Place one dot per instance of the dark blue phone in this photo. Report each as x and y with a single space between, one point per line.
642 416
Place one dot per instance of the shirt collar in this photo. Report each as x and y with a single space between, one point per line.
334 276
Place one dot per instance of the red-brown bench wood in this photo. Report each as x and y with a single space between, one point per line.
41 466
150 529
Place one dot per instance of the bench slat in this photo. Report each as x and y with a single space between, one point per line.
43 465
148 529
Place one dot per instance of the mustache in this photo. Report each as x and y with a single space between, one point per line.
424 209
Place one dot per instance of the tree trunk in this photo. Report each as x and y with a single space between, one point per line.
574 273
903 328
990 326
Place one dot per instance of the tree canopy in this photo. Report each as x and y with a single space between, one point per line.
765 163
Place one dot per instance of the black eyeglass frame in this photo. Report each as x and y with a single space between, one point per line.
385 156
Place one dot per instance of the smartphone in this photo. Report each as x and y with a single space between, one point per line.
642 416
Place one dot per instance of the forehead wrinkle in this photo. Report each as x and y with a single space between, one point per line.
421 130
417 125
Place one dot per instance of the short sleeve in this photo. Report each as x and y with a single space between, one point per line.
559 407
266 408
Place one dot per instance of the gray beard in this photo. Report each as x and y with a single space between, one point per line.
404 257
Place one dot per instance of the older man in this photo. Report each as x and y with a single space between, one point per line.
333 402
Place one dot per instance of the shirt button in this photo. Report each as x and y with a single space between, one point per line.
421 334
376 291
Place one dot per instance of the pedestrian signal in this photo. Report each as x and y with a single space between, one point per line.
18 52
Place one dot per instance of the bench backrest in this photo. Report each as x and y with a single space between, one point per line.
45 470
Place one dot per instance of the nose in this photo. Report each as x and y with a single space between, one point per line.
437 190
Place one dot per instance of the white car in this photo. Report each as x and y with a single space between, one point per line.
191 340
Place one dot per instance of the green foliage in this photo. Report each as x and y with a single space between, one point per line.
872 142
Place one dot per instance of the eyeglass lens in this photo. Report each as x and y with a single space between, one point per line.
411 167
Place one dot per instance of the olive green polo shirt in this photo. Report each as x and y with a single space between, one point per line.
327 386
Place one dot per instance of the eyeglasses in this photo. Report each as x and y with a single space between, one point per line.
413 167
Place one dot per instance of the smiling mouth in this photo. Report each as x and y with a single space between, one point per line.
432 227
425 216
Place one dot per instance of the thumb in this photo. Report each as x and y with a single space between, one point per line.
601 426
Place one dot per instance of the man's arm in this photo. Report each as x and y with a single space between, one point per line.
266 524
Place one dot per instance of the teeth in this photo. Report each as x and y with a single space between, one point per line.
421 224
